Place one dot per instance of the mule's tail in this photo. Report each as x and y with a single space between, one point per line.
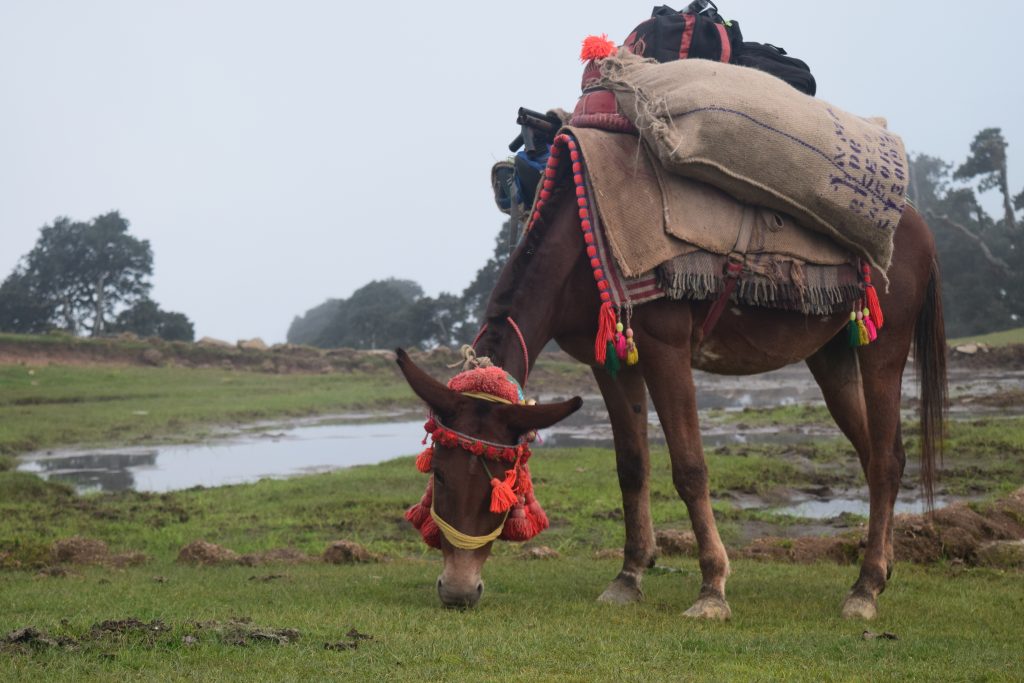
930 364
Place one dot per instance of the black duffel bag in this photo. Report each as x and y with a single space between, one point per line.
699 32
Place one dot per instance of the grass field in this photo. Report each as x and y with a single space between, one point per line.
46 406
1004 338
538 620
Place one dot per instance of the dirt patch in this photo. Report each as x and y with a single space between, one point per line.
1010 357
206 554
961 533
804 550
540 552
348 552
81 550
609 554
277 555
675 542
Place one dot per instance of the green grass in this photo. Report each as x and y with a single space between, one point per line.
1004 338
538 622
48 406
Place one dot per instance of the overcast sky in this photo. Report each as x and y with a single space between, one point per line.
276 154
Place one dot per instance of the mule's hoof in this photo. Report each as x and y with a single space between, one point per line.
859 607
621 593
711 607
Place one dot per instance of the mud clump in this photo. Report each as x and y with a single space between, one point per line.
675 542
348 552
205 554
805 549
82 550
959 531
541 552
609 554
1002 554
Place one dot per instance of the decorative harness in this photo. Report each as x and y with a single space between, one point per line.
523 518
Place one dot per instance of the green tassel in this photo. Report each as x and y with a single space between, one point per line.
852 331
611 360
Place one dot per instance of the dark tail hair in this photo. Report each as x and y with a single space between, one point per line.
930 364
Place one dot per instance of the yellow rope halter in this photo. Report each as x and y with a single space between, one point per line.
464 541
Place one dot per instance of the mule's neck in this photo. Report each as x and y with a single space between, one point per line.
533 290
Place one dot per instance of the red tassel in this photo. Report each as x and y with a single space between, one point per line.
605 331
424 460
873 306
518 527
871 297
431 533
597 47
417 514
524 482
536 513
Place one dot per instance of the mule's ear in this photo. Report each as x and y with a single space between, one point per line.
440 398
523 419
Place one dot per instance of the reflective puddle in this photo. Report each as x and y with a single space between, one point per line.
234 460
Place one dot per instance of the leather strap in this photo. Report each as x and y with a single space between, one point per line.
733 270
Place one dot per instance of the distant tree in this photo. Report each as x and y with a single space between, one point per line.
988 161
22 307
84 271
311 327
146 319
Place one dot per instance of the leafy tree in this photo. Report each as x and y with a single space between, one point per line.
146 319
310 327
84 271
22 308
988 160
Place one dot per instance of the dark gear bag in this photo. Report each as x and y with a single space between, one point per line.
774 60
699 32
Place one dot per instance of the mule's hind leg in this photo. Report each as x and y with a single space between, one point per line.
666 366
626 400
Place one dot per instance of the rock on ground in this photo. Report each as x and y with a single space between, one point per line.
540 552
675 542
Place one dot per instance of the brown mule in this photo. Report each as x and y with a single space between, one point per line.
547 288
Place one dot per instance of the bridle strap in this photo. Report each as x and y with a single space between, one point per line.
522 344
464 541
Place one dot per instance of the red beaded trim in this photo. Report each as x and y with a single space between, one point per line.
564 142
449 438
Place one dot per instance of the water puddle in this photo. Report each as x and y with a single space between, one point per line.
235 460
320 444
833 507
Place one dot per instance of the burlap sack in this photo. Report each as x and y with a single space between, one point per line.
767 144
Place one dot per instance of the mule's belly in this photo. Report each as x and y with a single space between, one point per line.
749 340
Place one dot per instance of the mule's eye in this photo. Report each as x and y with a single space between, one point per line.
438 477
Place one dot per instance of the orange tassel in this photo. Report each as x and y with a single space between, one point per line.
502 494
873 306
597 47
605 332
425 459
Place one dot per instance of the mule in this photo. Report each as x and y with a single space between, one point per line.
547 290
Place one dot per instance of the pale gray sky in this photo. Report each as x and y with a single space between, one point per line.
280 153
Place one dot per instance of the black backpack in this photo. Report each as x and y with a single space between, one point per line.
699 32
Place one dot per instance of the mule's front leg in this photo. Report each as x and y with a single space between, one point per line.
626 400
666 366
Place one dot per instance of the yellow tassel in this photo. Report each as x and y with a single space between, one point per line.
862 330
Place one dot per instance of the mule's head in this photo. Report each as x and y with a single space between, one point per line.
463 480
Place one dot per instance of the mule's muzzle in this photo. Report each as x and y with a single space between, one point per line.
459 596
